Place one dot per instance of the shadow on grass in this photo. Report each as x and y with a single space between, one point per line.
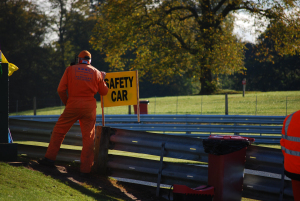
69 175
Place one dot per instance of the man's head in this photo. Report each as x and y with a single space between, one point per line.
84 57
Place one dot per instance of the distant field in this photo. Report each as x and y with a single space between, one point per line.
254 103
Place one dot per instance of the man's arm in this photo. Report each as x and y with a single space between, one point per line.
102 87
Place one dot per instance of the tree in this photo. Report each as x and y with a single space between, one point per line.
179 37
168 39
22 32
278 74
65 14
273 64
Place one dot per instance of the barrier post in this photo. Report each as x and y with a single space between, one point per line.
17 105
102 135
226 104
244 86
34 105
129 109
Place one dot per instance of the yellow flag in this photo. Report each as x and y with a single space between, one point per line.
11 67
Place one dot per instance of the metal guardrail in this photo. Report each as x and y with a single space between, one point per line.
266 129
258 159
247 119
263 165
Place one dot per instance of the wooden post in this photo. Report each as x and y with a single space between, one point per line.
17 105
244 86
34 105
226 104
201 103
129 109
102 135
138 96
102 107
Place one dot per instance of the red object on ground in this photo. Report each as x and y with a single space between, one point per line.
296 189
204 190
184 193
143 107
231 137
226 172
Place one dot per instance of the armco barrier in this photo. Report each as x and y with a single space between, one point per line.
262 177
258 160
265 129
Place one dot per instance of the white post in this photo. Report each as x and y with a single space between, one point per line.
244 86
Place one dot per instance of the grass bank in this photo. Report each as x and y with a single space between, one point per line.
20 183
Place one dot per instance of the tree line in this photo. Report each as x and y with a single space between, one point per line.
179 47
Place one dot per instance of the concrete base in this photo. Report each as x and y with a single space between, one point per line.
8 152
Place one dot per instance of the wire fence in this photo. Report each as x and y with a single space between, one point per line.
270 104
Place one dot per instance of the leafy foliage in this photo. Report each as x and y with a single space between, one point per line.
169 38
22 39
22 31
279 74
184 37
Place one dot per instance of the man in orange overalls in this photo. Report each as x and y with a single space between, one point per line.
290 145
76 89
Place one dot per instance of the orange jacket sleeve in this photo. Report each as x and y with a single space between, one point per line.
102 87
63 86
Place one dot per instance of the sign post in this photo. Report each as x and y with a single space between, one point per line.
244 86
123 89
102 107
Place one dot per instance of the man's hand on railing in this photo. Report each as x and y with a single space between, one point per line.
103 74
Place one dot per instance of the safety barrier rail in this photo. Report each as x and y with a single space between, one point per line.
262 177
265 129
261 162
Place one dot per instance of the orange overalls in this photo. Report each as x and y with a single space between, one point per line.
290 145
76 89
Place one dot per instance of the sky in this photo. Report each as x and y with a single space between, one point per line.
248 28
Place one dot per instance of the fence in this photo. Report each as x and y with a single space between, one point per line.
272 103
262 177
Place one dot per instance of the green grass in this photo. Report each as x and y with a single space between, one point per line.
20 183
254 103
